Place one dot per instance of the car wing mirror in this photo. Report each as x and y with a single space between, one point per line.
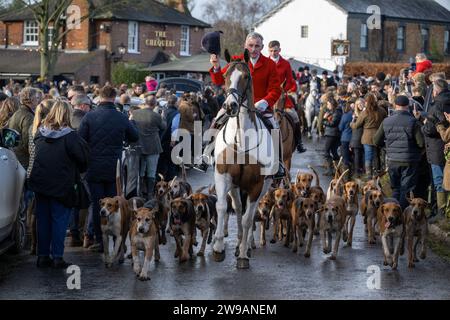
10 138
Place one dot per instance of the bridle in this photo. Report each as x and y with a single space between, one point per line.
241 98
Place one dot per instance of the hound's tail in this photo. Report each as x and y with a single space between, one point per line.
118 180
316 174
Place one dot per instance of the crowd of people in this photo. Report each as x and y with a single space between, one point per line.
73 135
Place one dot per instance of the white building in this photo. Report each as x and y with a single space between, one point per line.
306 29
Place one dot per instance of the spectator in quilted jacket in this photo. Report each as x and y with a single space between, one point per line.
105 130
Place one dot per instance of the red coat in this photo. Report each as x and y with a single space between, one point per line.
284 71
266 83
423 66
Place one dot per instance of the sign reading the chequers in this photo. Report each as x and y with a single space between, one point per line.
160 40
340 48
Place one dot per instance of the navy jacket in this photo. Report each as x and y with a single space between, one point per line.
105 130
434 143
344 127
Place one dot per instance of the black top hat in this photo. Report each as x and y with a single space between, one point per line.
211 42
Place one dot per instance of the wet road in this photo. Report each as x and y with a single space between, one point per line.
275 272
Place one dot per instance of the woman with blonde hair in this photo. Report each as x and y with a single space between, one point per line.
60 155
355 143
40 113
370 120
7 109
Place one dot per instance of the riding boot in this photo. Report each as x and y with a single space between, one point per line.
300 148
281 173
150 188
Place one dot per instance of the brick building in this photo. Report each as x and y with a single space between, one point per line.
143 31
405 28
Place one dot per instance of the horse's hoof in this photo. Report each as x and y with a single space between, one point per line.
249 253
219 256
236 252
243 263
273 241
225 234
200 254
129 256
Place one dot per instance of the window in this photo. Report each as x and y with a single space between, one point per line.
401 39
363 44
425 39
305 32
447 42
31 33
184 43
133 37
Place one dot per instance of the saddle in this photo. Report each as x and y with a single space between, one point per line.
222 120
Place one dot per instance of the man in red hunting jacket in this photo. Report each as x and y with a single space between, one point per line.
285 74
266 82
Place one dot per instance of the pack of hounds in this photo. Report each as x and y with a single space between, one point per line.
297 211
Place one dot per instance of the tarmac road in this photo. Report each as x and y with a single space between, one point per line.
275 272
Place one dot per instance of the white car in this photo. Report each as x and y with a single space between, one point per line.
12 205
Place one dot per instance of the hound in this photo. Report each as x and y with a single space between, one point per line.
416 229
392 230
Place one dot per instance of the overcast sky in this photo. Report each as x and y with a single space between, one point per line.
197 13
198 10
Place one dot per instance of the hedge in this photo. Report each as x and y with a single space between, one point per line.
128 73
372 68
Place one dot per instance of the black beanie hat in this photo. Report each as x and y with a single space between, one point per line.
402 101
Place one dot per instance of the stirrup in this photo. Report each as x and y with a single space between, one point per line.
203 167
281 173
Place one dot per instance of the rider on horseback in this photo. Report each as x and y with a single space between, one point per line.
290 86
266 85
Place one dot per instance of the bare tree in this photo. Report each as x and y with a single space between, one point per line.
236 18
59 16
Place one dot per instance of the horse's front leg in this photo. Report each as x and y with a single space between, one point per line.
237 206
244 248
223 183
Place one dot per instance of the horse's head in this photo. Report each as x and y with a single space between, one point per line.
238 82
279 105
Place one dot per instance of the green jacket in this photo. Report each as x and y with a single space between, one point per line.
21 121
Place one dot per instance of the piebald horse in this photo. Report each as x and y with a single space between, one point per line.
242 148
287 130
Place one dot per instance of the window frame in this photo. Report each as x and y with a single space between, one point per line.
26 32
185 32
447 42
403 39
425 49
366 37
134 49
302 28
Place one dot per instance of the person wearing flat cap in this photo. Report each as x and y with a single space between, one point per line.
402 135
